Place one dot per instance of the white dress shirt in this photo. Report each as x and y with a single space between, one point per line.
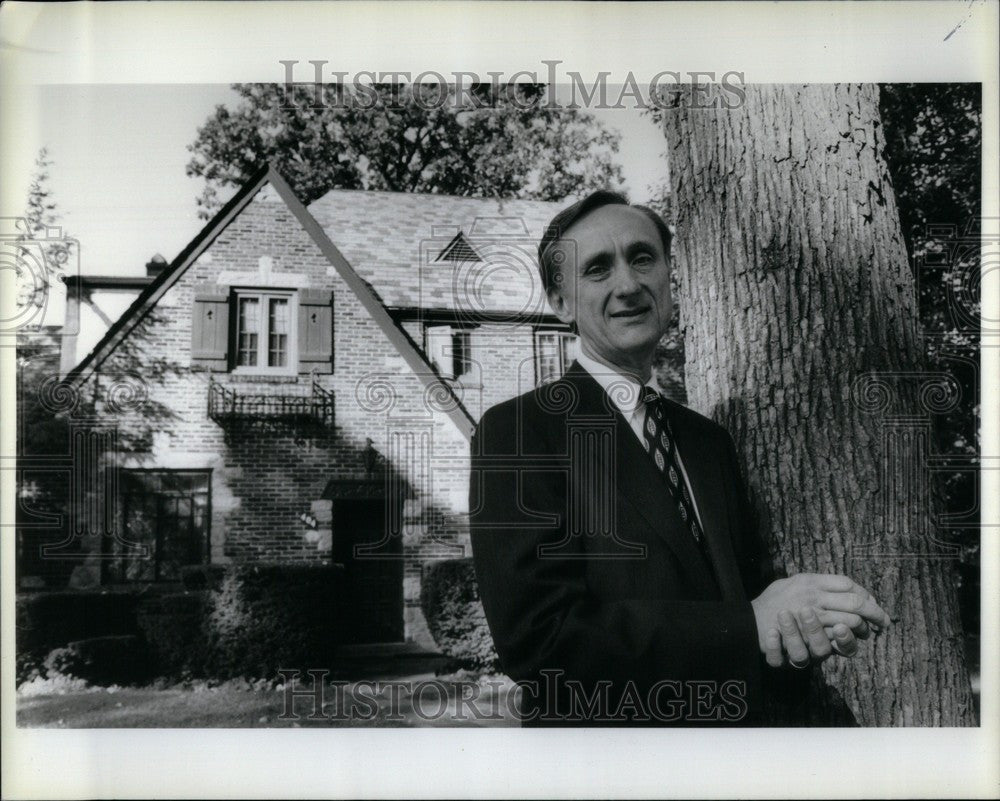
630 404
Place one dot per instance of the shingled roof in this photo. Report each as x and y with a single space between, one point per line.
394 240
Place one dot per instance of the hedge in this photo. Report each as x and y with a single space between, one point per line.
266 617
115 659
449 597
173 627
247 620
256 619
54 619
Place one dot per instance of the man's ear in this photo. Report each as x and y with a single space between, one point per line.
560 306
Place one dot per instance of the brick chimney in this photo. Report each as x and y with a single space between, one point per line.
155 266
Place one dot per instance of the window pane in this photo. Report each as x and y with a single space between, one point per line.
247 332
548 358
570 350
277 348
165 511
136 560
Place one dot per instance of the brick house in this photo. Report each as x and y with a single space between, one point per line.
300 385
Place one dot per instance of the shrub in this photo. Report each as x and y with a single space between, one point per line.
202 577
61 662
115 659
260 618
265 617
45 621
449 596
173 627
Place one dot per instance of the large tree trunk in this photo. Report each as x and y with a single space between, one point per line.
801 335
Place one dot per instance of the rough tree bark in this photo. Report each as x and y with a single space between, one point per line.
801 335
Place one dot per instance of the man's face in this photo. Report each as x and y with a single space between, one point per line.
613 281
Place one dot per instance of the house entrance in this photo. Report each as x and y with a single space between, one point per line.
373 567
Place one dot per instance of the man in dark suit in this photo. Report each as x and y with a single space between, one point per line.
617 558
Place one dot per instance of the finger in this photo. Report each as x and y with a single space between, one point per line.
813 633
857 589
863 606
854 622
844 641
772 648
834 582
792 639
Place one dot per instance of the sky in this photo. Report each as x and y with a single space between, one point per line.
119 153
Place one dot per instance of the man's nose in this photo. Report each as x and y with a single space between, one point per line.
625 280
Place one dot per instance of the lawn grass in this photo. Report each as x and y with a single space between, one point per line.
417 700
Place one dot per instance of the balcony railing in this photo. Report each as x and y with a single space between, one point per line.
278 412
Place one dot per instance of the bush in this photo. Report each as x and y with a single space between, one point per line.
202 577
267 617
115 659
61 662
258 619
45 621
173 627
449 596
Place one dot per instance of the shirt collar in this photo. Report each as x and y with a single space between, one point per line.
611 382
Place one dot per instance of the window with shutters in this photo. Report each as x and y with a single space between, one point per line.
264 337
262 331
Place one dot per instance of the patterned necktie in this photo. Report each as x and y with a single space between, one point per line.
660 445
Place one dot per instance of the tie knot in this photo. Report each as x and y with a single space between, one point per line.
649 395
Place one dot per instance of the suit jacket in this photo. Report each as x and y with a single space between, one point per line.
597 596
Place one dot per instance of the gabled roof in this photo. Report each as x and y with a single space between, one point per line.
393 239
355 280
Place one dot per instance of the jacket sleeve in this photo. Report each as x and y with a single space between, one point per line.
538 608
756 569
786 691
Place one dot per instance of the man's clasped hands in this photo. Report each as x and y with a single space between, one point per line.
810 616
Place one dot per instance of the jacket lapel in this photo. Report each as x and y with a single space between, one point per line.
638 483
708 488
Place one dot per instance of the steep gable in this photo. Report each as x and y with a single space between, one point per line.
362 289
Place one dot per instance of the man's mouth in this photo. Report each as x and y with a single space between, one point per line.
626 314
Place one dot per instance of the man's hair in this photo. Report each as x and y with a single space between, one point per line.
571 215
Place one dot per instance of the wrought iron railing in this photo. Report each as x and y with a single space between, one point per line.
228 406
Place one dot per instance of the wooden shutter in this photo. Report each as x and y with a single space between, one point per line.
210 327
315 331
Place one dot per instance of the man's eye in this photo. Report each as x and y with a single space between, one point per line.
596 270
642 259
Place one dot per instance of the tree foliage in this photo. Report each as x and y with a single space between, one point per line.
485 141
934 152
40 215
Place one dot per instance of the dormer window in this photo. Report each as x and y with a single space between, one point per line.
459 250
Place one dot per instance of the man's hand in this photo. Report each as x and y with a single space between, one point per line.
826 604
803 636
